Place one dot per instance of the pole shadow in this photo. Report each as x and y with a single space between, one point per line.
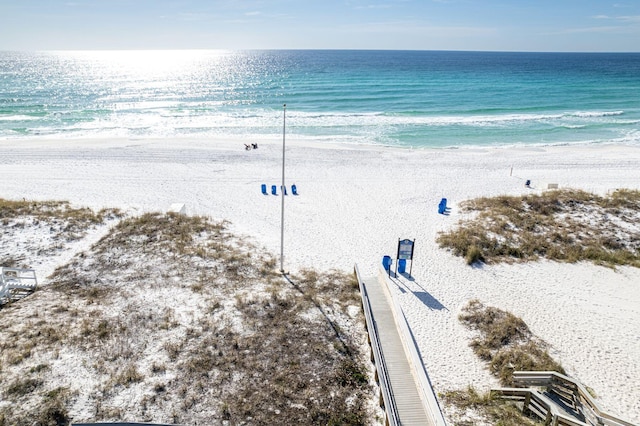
334 327
407 276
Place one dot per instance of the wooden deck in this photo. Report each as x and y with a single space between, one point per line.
16 283
558 399
409 406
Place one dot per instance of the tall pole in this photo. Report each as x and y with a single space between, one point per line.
282 190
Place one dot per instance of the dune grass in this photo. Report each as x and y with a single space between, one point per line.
174 319
493 409
56 221
507 344
53 210
560 225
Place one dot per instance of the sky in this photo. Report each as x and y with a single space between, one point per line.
480 25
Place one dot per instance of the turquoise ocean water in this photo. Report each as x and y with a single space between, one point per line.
400 98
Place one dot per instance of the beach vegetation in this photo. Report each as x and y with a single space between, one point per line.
470 403
128 375
505 342
21 387
57 222
60 211
46 408
561 225
174 319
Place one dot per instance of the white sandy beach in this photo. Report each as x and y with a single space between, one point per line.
353 205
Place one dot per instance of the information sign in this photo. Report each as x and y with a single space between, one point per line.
405 249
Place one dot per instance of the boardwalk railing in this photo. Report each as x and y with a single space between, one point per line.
538 404
427 393
16 283
386 393
570 392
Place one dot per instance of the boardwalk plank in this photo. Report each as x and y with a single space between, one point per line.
411 408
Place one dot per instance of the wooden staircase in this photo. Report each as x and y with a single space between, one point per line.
557 399
16 283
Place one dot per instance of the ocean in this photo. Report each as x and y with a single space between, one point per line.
411 99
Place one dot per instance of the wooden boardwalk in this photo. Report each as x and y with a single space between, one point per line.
409 405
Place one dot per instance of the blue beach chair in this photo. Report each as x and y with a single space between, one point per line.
284 190
294 189
264 189
442 207
386 262
274 190
402 265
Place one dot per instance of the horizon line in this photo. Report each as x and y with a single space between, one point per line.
319 50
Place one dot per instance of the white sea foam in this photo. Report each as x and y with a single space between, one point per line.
588 114
18 118
153 119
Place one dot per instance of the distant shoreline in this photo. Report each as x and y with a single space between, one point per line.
224 142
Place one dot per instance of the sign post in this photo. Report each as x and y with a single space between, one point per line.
405 251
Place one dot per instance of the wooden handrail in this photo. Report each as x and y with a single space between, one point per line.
570 389
390 407
538 404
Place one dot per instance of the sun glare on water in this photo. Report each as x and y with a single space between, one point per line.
145 64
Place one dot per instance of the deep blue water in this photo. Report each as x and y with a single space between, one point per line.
403 98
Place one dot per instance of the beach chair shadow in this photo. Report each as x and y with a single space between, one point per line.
264 189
